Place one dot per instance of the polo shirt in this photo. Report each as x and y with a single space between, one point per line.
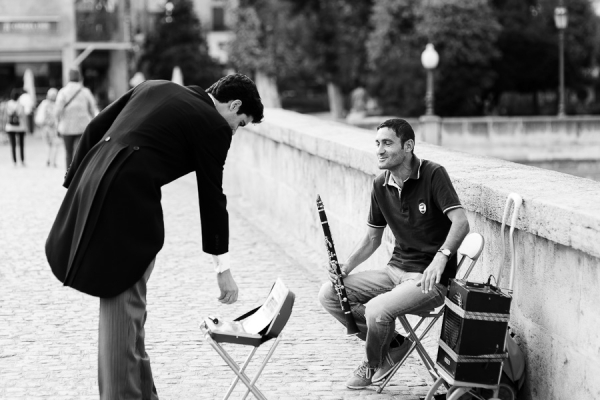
416 215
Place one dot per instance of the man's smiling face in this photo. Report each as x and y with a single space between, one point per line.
390 152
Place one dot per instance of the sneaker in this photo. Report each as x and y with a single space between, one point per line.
361 377
394 356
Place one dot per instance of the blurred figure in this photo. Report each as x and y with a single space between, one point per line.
3 119
74 109
46 121
358 102
28 103
15 126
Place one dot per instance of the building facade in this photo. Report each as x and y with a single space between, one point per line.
35 35
216 18
49 37
102 38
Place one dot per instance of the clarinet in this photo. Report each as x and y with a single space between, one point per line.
333 262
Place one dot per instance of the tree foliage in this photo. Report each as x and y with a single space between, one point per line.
396 76
487 48
267 39
179 41
529 46
465 35
336 32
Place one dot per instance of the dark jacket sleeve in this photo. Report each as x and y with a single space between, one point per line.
94 132
213 202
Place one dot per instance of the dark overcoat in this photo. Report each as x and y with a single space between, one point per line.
110 224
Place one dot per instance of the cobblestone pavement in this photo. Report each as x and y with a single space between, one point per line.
48 333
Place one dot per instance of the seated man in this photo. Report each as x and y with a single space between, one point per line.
417 200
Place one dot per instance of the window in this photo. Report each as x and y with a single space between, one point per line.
218 19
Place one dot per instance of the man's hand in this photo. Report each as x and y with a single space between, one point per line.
433 273
332 274
229 289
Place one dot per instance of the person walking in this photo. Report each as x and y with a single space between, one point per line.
16 126
27 100
110 226
74 109
46 121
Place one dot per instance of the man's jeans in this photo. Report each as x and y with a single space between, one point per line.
376 298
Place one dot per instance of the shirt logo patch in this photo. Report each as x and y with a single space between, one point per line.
422 208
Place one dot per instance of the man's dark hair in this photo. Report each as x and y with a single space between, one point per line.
15 94
402 129
74 75
239 87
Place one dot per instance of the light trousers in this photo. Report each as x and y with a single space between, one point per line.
124 371
376 298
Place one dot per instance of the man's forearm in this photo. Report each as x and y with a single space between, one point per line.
363 250
458 230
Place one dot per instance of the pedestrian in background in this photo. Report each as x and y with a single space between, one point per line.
74 109
28 102
16 126
46 121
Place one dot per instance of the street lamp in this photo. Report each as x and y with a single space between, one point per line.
430 59
561 19
169 10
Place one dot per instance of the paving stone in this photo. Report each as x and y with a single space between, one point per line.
48 333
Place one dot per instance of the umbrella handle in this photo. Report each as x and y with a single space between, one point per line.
517 201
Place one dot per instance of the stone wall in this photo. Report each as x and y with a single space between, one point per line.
520 139
280 165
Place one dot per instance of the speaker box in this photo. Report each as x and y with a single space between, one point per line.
486 372
473 332
475 318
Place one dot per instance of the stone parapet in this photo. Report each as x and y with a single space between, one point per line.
282 164
521 139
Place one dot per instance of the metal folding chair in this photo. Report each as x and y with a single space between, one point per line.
217 332
470 250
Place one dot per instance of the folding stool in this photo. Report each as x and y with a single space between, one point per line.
470 249
215 336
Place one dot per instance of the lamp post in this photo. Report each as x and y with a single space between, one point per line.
561 19
430 59
169 11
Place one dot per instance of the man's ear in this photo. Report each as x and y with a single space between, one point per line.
235 105
409 145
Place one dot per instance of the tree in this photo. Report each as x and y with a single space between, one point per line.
178 41
465 33
336 32
396 77
529 46
266 44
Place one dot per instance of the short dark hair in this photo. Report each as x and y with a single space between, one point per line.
402 129
239 87
15 94
74 75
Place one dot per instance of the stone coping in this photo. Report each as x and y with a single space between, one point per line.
561 208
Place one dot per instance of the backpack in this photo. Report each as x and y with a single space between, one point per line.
13 118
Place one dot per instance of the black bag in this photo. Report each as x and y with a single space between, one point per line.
13 118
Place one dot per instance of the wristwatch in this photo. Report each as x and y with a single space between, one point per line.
445 252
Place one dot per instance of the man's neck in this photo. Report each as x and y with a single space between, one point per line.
403 171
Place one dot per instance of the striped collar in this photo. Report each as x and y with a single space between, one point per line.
416 163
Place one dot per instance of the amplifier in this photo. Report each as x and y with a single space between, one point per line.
482 370
473 332
475 319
